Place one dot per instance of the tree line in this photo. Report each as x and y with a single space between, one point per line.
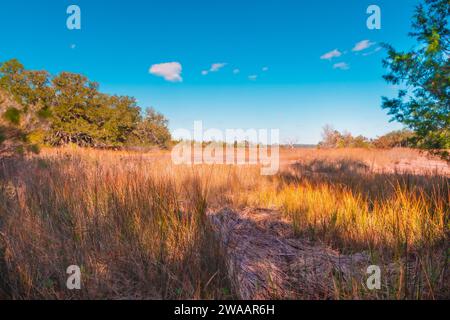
38 109
332 138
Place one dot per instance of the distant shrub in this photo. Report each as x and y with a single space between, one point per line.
395 139
332 138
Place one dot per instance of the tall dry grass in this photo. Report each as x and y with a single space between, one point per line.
134 230
399 216
137 225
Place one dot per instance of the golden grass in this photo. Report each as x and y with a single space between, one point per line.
341 216
135 232
138 227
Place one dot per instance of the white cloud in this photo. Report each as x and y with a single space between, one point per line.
265 69
341 66
170 71
214 68
332 54
362 45
372 52
236 71
253 77
217 66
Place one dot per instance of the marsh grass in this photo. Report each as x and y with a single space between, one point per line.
135 233
400 219
138 228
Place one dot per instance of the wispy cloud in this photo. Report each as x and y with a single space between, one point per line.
372 52
332 54
170 71
253 77
217 66
362 45
341 66
236 71
214 68
265 69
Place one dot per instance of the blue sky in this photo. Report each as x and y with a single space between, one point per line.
276 45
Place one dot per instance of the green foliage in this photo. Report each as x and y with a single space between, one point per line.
400 138
12 115
24 95
27 87
2 135
332 138
44 113
34 148
15 122
37 136
423 103
70 109
152 130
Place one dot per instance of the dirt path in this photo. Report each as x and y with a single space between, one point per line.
266 260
